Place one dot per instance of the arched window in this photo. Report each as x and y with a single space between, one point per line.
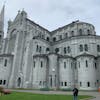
0 82
47 39
37 47
4 82
19 82
95 65
41 64
80 83
72 33
60 37
64 64
86 63
88 31
86 47
88 84
0 36
43 36
80 31
65 83
98 48
65 50
79 64
47 49
34 64
81 48
5 64
54 39
40 49
68 49
66 35
57 50
61 83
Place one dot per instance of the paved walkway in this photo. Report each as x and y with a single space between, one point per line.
95 94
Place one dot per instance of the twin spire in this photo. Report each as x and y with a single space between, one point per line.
2 19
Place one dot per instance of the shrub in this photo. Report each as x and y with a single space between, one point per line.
44 89
1 89
66 89
6 91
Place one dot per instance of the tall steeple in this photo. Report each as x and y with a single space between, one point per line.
2 20
1 28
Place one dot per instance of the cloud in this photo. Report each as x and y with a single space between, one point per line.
52 14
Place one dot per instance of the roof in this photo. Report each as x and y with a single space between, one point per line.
85 54
72 23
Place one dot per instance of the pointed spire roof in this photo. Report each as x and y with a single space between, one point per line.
2 19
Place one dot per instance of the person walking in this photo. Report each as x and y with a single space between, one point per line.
75 94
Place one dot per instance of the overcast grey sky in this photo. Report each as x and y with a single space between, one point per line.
52 14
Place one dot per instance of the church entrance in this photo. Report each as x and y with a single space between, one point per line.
19 82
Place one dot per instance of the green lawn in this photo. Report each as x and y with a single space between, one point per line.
31 96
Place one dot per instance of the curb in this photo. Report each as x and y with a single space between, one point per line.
88 98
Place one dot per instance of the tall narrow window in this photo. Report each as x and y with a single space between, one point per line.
4 82
86 63
0 36
40 83
80 83
95 65
81 48
72 33
88 31
98 48
64 64
79 64
5 64
61 83
54 39
47 39
65 83
47 49
41 64
40 49
86 47
88 84
0 82
64 50
66 35
57 50
60 37
72 65
42 36
34 64
68 49
80 32
37 47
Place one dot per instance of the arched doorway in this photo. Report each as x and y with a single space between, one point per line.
19 82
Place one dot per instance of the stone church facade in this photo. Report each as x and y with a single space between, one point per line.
33 57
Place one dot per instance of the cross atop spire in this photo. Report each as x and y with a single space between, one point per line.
2 19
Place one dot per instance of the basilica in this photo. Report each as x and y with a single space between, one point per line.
34 57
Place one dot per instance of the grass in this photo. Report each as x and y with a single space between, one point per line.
31 96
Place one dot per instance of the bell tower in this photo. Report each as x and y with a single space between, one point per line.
1 27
